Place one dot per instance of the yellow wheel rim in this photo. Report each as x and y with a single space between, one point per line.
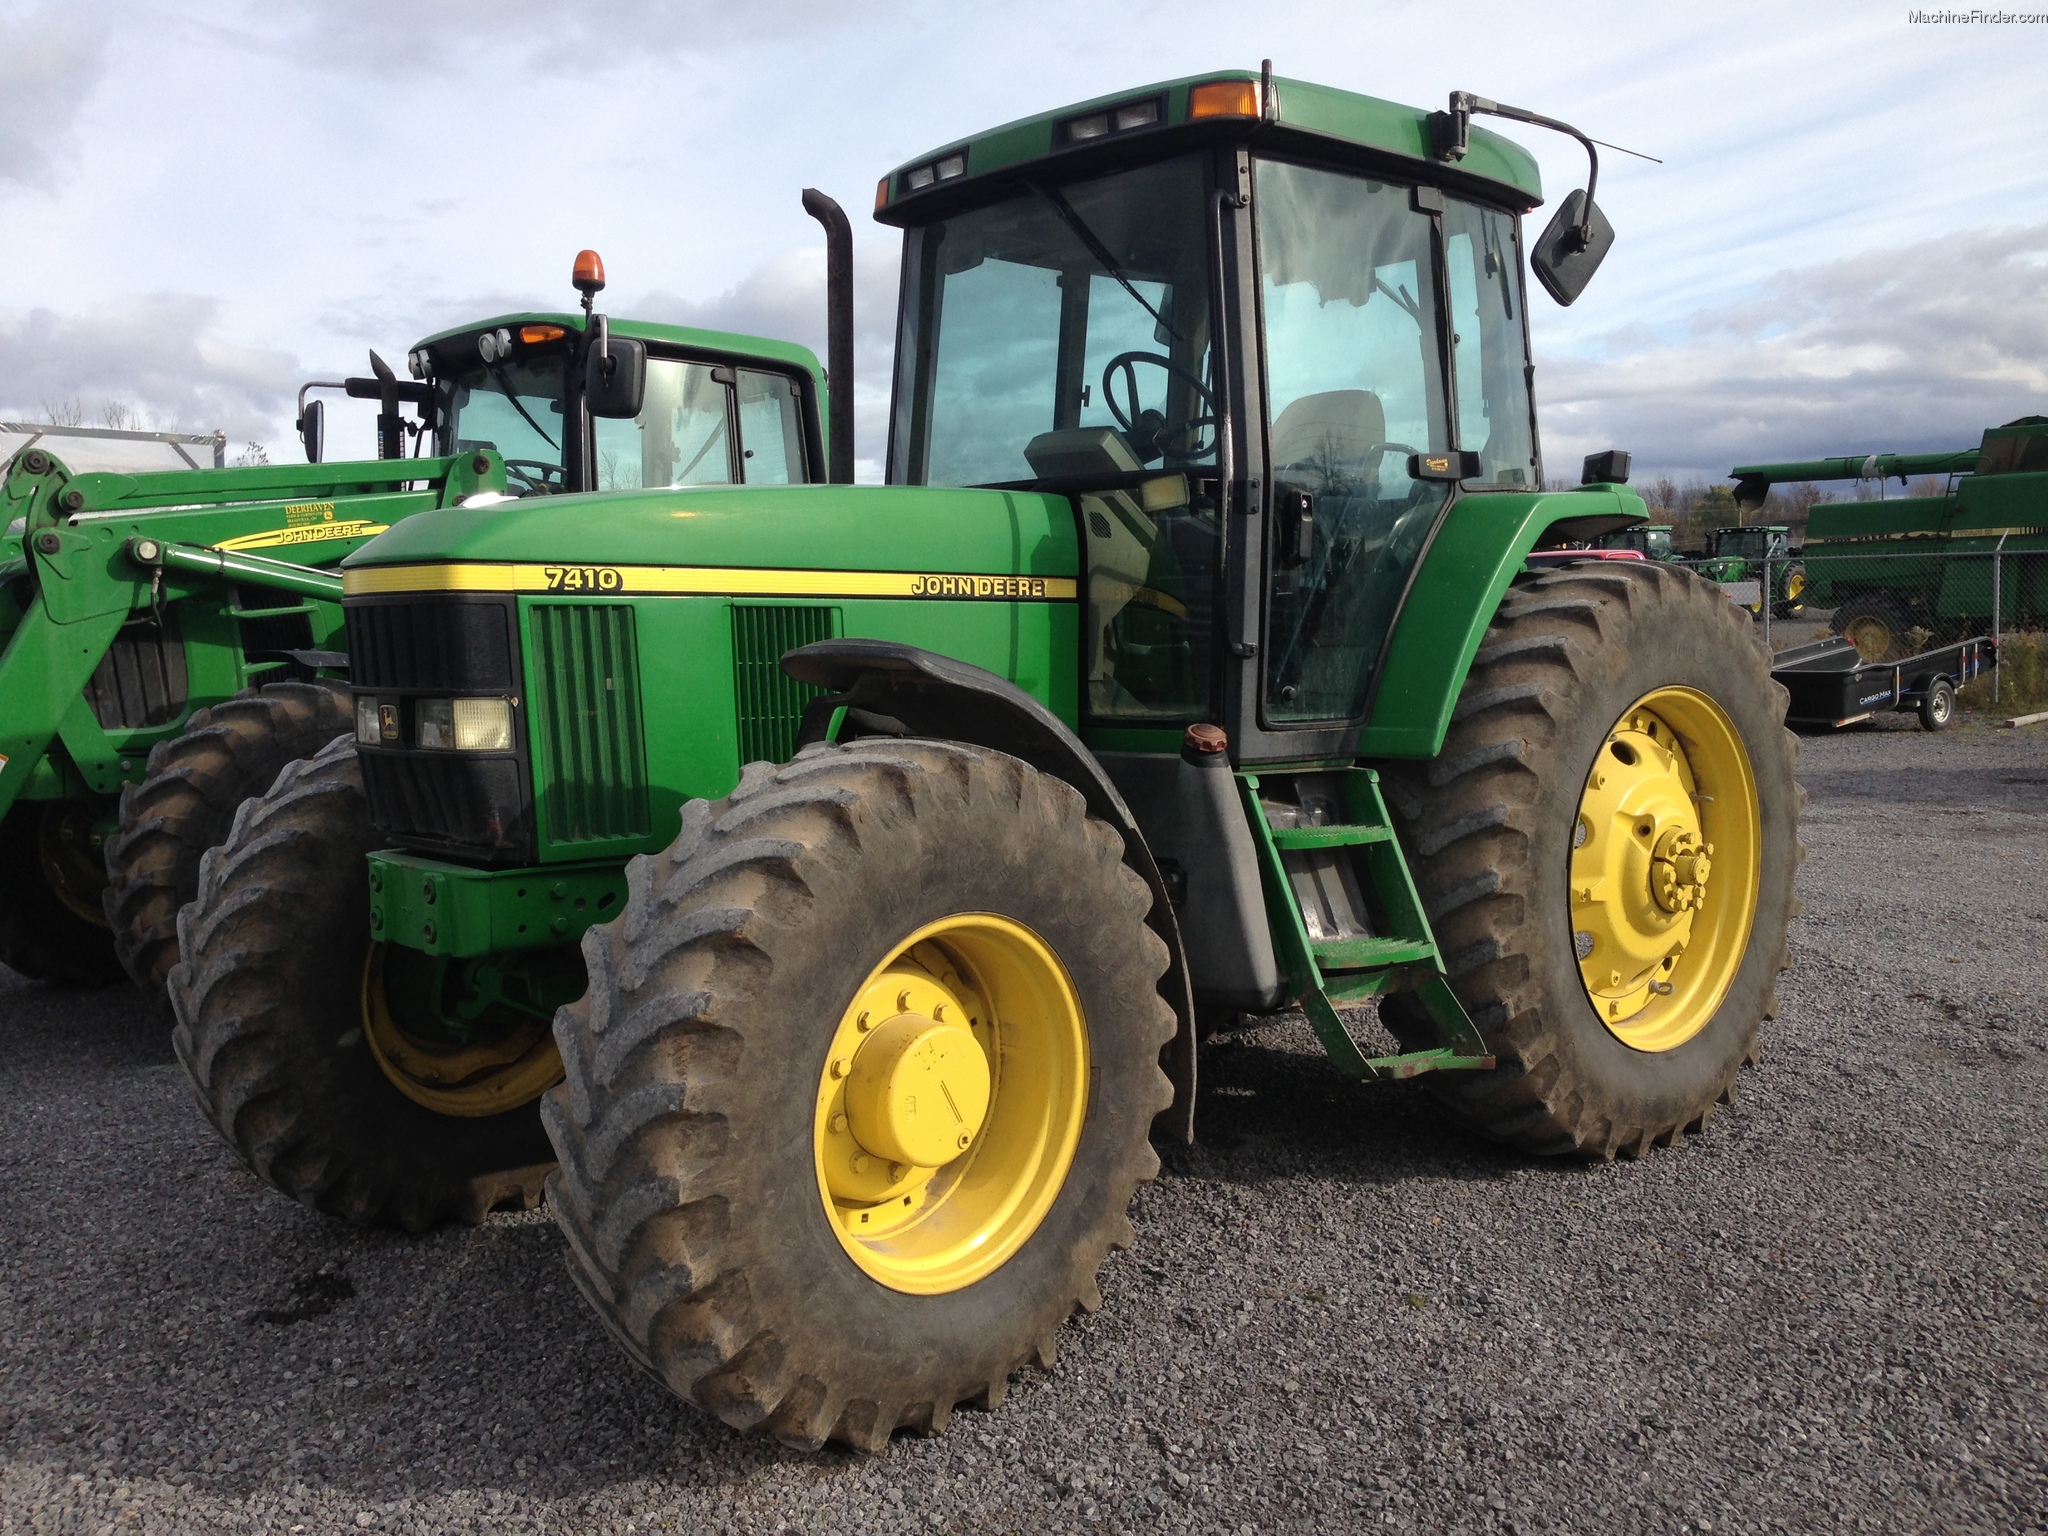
1664 865
474 1079
950 1103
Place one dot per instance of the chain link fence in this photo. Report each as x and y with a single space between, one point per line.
1894 604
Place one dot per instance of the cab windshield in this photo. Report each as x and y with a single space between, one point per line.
701 424
1084 305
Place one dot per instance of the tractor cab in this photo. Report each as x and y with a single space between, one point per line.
1773 542
1266 333
581 402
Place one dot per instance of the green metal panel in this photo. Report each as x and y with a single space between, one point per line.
770 702
1457 588
449 909
591 769
1364 122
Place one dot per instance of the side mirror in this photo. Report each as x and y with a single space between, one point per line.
312 429
1571 248
615 377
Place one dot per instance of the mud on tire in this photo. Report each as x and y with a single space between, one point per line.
268 999
1488 824
687 1188
187 801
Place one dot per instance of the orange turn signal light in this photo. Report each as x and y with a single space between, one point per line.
588 275
1224 98
881 194
534 335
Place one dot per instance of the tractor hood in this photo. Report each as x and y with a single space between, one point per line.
822 539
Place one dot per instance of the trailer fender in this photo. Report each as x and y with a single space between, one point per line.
889 688
1475 551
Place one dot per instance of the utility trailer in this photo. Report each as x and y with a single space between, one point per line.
891 849
1832 685
169 640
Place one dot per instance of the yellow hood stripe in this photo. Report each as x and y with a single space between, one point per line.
703 580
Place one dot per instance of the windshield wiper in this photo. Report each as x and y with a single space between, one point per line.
505 388
1100 252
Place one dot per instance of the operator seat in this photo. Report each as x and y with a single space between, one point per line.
1320 441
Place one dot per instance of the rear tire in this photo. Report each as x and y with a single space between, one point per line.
690 1181
45 933
269 999
1938 708
1490 824
187 801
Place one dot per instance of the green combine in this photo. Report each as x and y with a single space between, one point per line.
824 890
170 640
1889 570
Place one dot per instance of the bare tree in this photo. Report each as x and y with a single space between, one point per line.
120 416
64 413
251 455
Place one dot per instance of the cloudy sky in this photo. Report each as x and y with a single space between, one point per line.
202 205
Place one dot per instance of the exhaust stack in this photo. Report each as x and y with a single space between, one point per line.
838 331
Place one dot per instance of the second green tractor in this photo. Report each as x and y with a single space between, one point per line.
890 850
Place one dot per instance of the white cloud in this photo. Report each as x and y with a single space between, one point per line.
161 354
1905 349
49 62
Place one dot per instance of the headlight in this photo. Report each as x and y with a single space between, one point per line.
483 725
463 725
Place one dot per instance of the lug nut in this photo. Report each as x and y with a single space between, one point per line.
841 1066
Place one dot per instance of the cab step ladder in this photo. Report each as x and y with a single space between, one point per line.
1346 921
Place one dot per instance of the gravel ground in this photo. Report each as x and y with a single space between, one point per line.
1827 1314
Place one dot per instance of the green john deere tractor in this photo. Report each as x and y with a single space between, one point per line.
1743 559
169 641
890 849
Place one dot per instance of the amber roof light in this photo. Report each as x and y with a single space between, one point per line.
1224 98
588 274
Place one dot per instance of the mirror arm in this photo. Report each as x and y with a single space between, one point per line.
1449 132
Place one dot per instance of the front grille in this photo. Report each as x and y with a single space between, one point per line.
141 679
457 804
466 801
770 702
446 644
587 723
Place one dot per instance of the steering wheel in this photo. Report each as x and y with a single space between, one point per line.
1145 428
535 475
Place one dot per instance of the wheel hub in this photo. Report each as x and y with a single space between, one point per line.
917 1091
1678 869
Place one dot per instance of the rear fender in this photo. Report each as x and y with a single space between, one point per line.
892 689
1477 551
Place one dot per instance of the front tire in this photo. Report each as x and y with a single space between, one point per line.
187 801
713 1216
1607 707
271 1001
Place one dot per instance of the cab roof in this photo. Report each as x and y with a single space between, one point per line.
785 353
1313 120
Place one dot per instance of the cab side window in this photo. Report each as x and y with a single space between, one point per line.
771 429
